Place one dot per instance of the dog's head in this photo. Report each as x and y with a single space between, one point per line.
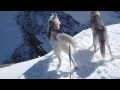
94 13
54 21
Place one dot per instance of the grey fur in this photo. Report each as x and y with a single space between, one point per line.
99 33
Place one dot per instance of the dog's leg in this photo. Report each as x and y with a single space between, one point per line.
71 57
59 63
95 43
107 44
59 60
57 52
92 28
92 43
74 63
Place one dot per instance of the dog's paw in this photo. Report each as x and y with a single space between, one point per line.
112 58
76 68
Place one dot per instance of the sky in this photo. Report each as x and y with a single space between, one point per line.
10 36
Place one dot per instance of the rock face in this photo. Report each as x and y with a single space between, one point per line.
33 26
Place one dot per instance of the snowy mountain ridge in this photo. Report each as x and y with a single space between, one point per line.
32 25
90 67
17 33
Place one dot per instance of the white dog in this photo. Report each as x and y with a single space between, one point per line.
59 40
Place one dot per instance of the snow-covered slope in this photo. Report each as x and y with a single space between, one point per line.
90 67
15 44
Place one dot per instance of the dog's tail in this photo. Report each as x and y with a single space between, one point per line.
68 39
102 43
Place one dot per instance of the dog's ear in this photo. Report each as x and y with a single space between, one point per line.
51 17
55 14
52 14
92 18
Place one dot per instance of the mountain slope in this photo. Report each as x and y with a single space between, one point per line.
18 31
16 43
90 67
33 27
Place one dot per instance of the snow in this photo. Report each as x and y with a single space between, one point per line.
109 17
10 36
90 67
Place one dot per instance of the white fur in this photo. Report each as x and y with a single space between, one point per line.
62 37
62 44
52 15
55 19
55 44
60 41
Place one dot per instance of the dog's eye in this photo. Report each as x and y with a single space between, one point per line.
92 18
51 27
